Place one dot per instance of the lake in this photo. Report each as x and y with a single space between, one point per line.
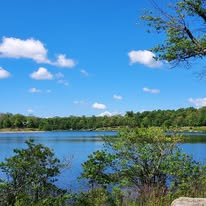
77 145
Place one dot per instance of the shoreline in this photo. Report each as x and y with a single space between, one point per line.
40 131
21 131
33 130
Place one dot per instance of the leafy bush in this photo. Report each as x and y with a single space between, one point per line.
31 174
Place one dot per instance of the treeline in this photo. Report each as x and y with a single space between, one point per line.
167 118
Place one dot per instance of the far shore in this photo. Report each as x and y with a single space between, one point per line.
31 130
28 130
10 130
21 131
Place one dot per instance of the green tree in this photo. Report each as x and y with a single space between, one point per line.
31 173
6 123
184 39
147 163
95 169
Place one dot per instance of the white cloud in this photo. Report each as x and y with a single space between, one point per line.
199 102
84 72
62 61
81 102
144 57
117 97
64 82
30 111
98 106
4 74
59 75
34 90
152 91
31 49
41 74
107 113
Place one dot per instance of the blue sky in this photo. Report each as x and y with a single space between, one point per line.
86 57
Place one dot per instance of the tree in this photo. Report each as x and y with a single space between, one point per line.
184 26
147 163
95 169
6 123
31 173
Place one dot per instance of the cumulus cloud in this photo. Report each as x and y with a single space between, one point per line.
41 74
62 61
84 72
4 74
97 105
64 82
108 114
117 97
34 90
152 91
144 57
199 102
31 49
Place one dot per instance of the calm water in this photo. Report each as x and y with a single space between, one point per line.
76 146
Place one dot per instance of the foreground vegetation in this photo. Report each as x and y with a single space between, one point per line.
189 117
140 167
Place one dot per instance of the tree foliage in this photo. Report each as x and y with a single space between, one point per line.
148 164
165 118
95 169
184 26
31 174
